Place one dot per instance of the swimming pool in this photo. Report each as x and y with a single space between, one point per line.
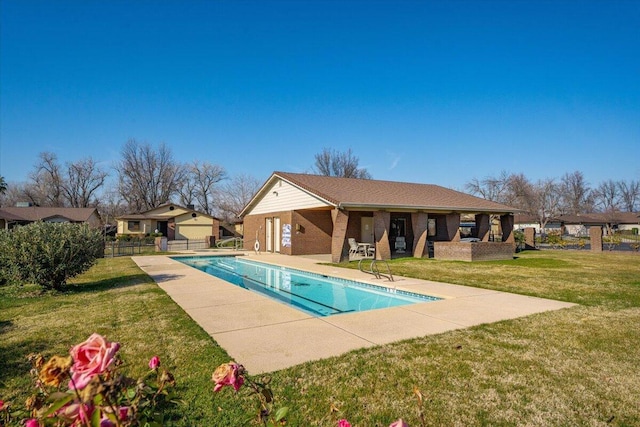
312 293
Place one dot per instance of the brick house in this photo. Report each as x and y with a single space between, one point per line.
22 215
303 214
175 222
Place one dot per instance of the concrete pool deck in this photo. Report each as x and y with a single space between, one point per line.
265 335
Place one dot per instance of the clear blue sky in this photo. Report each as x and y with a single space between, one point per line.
423 91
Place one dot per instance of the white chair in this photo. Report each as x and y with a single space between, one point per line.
401 244
354 250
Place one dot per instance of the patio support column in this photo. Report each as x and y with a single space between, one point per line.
340 220
506 223
595 234
381 223
419 222
483 227
453 227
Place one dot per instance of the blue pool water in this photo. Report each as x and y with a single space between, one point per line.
313 293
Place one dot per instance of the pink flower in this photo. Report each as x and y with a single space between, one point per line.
228 374
1 405
123 412
91 358
76 413
343 423
154 362
399 423
32 423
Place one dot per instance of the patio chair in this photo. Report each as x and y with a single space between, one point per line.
354 249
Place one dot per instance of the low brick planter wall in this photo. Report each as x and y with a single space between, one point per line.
476 251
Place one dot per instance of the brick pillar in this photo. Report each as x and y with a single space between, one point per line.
419 223
453 227
483 227
595 233
530 238
506 223
381 223
339 250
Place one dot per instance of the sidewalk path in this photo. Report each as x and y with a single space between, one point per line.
265 335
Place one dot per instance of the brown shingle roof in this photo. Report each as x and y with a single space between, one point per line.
37 213
369 193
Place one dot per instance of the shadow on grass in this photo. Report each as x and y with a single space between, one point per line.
13 362
5 325
106 284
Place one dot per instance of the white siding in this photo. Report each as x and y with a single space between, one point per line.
282 196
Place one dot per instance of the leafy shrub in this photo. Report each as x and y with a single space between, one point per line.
50 253
518 235
8 271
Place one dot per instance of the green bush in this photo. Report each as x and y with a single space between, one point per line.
8 271
50 253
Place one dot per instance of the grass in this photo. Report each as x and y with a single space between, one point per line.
577 366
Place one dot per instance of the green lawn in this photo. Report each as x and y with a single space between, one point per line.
578 366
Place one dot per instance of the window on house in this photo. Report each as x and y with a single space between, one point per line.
133 225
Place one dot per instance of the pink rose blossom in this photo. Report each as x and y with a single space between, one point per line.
399 423
154 362
76 413
123 411
344 423
228 374
1 405
91 358
32 423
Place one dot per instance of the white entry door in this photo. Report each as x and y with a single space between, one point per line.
366 229
277 234
268 228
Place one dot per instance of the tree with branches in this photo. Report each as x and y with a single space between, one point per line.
198 185
147 177
235 194
341 164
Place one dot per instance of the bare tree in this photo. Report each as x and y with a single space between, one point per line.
3 185
13 193
198 184
629 195
546 201
235 194
607 195
491 187
576 194
84 179
342 164
147 177
46 186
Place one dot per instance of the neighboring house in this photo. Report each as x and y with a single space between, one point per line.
522 221
14 216
302 214
579 224
609 221
174 222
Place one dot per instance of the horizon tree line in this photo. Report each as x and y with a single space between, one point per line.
147 177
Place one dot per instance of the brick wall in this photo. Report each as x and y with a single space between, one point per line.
253 223
595 233
529 238
313 236
477 251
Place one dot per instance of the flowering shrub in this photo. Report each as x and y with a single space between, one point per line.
87 388
234 375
